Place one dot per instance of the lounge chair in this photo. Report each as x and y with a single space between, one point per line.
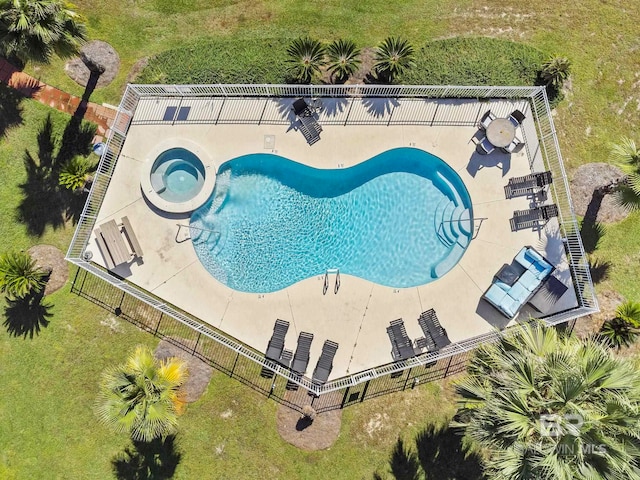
486 119
309 127
301 108
528 184
301 357
401 345
276 343
533 217
517 117
431 328
485 147
325 362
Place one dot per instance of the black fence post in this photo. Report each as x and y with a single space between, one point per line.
404 387
446 371
158 325
234 365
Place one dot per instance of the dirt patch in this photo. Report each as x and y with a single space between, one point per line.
589 177
94 54
49 257
199 372
591 324
366 67
319 434
137 68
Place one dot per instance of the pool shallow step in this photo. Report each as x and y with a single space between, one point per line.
447 223
464 222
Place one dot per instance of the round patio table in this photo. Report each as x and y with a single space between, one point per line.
501 132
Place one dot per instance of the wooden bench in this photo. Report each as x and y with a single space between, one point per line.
103 248
133 240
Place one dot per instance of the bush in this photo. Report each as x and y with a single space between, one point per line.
220 61
475 61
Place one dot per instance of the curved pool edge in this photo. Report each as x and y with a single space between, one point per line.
444 177
192 204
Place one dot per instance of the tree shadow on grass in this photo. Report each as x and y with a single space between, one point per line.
591 230
599 270
24 317
443 457
404 463
45 202
10 109
155 460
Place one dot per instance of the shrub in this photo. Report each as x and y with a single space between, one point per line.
220 61
475 61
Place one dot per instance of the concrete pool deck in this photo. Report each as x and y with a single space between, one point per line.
357 316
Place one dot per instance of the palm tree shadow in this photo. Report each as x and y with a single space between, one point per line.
443 457
10 109
44 202
155 460
404 463
599 270
591 230
26 316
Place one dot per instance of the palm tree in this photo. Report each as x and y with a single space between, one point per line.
75 174
37 29
626 155
20 277
143 396
624 328
343 58
306 56
393 57
545 406
555 71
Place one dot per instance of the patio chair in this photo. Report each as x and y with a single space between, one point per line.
486 119
401 345
517 117
515 143
276 343
301 357
533 217
301 108
485 147
528 184
325 362
430 325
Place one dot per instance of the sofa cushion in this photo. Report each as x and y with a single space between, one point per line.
519 293
510 306
522 258
495 294
529 280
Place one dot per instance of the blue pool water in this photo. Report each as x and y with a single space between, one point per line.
182 174
400 219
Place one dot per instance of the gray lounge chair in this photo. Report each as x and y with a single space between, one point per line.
528 184
431 327
401 345
325 362
309 127
276 343
533 217
301 357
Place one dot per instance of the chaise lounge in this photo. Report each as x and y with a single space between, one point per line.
516 283
534 217
528 184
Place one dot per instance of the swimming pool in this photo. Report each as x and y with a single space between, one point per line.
402 218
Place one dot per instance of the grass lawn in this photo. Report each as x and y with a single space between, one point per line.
49 430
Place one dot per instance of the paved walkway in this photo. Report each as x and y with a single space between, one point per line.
47 95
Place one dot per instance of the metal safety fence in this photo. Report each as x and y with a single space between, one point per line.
251 367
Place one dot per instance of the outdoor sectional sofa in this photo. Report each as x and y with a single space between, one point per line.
516 283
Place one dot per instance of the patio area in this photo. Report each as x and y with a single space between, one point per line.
353 130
